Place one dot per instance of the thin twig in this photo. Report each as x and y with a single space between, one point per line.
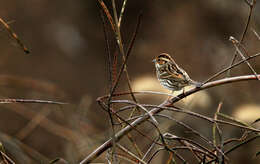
121 49
251 6
105 107
123 67
216 128
154 154
160 108
7 159
8 101
237 44
256 34
106 11
215 124
124 158
47 124
230 67
34 122
129 86
130 153
138 105
233 119
25 148
180 110
122 13
19 42
112 71
240 144
192 145
160 149
111 91
192 130
150 149
107 48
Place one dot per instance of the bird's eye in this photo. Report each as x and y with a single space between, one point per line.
160 61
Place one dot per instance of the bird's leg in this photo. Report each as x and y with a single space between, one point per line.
183 91
173 96
197 84
169 97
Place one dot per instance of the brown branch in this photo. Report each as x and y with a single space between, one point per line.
160 108
256 34
46 123
230 67
251 6
19 42
8 101
192 130
106 11
236 43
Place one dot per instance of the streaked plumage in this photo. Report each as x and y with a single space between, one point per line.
170 75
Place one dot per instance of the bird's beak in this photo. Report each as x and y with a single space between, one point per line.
154 60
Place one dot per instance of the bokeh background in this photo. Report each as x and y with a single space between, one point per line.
68 63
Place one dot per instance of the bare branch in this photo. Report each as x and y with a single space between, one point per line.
19 42
230 67
130 153
161 107
8 101
236 44
256 34
251 5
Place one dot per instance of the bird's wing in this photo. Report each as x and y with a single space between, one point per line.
173 75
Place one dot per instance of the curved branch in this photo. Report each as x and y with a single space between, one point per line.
138 121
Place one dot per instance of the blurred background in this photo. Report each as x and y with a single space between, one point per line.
68 63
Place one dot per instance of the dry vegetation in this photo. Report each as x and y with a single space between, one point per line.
135 122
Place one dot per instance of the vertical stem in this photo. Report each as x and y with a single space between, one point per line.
121 13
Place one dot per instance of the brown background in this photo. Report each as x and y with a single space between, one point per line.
68 63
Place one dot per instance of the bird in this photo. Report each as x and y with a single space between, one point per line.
170 75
